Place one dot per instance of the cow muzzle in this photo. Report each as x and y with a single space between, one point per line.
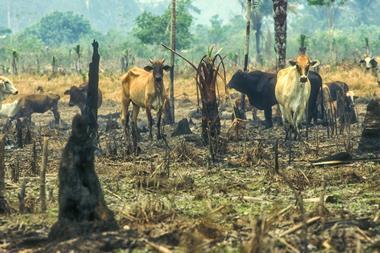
303 79
158 79
15 92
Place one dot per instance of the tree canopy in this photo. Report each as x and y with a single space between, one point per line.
154 29
60 27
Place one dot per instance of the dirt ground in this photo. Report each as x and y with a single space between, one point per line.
175 199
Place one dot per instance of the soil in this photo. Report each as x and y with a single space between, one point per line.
172 197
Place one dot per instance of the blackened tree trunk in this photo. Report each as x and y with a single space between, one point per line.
91 109
279 15
4 207
82 208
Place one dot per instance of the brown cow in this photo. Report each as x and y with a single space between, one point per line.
78 96
26 105
144 88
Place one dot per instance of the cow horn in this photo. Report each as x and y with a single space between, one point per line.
163 60
151 61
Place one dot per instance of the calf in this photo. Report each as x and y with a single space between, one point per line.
343 102
144 88
78 96
6 89
326 108
25 106
292 91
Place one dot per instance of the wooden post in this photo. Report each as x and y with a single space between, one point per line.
21 197
4 207
14 63
33 163
54 66
77 62
246 53
43 174
172 58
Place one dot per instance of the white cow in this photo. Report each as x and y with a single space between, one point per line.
6 89
293 91
8 110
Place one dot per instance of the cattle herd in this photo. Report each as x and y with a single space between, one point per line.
300 94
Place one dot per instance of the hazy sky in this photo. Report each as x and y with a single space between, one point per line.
224 8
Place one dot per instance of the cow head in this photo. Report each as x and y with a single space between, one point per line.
303 65
7 87
77 96
368 62
157 68
237 81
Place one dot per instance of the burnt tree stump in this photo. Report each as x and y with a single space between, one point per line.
370 139
4 207
182 128
82 208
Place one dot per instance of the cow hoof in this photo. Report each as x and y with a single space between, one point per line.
268 125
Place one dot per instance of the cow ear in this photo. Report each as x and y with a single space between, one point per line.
167 68
373 63
314 63
148 68
67 92
292 62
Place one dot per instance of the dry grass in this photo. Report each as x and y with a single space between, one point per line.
364 84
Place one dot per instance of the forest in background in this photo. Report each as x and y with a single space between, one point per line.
35 33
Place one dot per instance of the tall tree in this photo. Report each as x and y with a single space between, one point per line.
173 46
280 8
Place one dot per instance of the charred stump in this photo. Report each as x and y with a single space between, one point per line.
82 208
4 207
182 128
370 139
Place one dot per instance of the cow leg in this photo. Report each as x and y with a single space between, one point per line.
135 113
268 117
159 117
150 121
57 117
125 115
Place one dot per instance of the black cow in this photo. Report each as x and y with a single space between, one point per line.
260 89
316 86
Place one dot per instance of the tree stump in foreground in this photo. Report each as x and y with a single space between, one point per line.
4 207
82 208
